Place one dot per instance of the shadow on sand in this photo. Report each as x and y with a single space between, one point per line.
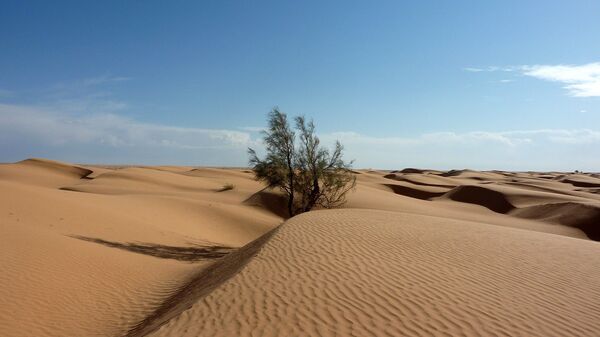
190 254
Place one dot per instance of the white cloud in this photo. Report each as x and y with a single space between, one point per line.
80 120
579 80
31 131
56 128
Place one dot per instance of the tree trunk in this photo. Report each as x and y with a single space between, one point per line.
291 178
314 194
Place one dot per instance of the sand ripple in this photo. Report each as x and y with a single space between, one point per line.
375 273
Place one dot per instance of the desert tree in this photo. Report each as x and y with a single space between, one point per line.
308 174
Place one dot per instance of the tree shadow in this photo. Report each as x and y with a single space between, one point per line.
189 254
270 200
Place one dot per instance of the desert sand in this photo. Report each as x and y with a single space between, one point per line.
90 250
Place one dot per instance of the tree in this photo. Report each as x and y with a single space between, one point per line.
307 174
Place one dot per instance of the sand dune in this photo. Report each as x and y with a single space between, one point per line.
93 250
416 198
53 285
374 273
583 216
139 223
42 172
57 167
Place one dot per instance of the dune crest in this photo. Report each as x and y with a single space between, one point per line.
56 166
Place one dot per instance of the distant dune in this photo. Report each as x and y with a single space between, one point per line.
184 251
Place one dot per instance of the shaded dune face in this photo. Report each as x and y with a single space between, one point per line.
270 200
413 192
422 180
579 183
205 281
487 198
585 217
375 273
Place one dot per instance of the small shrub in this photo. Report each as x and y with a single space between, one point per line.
227 187
308 174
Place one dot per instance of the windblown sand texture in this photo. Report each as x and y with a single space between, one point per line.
169 251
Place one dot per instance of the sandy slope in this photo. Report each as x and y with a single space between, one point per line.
108 250
54 284
374 273
58 286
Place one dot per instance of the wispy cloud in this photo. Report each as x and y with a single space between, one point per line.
82 96
543 149
579 80
474 70
110 129
252 128
6 93
77 85
30 131
507 138
490 69
103 79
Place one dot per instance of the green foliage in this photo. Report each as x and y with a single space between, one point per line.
309 175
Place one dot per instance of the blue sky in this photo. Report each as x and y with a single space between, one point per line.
485 85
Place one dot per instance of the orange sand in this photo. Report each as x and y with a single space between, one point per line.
112 251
